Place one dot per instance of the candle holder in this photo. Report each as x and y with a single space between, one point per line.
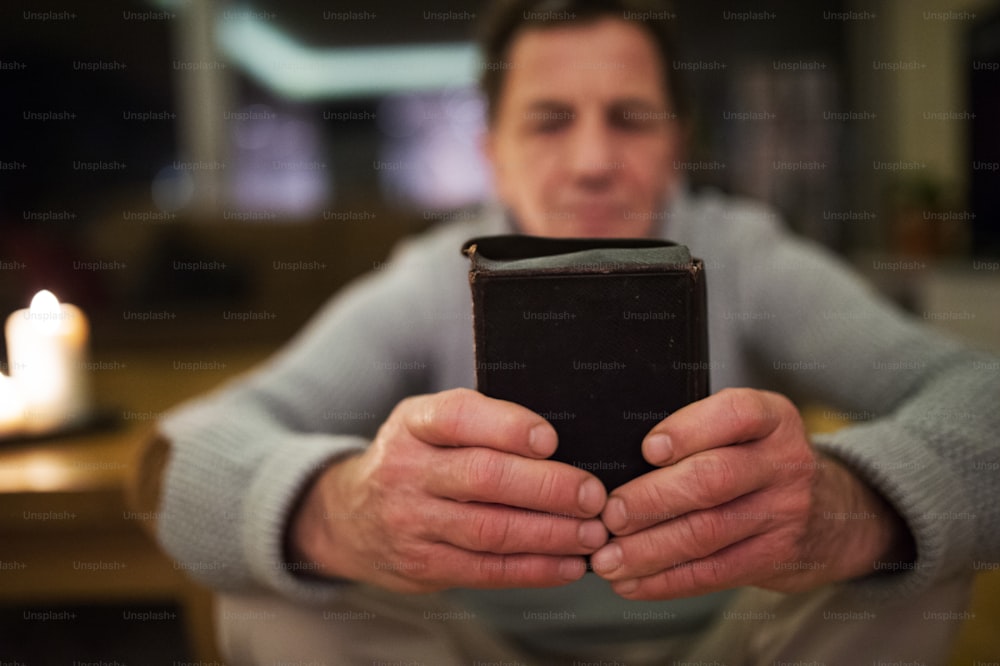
96 421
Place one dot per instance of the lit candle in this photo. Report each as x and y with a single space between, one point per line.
11 407
47 350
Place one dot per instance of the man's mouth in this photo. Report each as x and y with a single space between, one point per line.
594 211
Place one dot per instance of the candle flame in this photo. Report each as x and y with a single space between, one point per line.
45 312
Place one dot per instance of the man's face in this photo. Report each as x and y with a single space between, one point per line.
583 143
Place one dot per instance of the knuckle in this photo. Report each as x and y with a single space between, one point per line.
392 471
740 404
413 413
549 489
453 404
547 531
418 417
389 434
787 544
396 519
682 576
486 472
641 554
435 416
688 534
495 570
713 475
707 530
652 502
707 574
418 567
492 534
746 407
461 393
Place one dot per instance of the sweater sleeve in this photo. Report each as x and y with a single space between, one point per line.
241 457
927 430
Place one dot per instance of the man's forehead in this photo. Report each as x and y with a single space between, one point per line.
605 54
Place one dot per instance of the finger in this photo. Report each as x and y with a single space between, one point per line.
691 537
491 528
727 417
446 566
476 474
735 566
462 417
702 481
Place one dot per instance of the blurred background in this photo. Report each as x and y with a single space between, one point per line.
199 176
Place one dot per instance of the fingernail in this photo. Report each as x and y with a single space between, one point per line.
592 534
542 440
591 497
614 515
607 559
626 586
572 568
659 449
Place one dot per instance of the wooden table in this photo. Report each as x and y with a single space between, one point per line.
67 535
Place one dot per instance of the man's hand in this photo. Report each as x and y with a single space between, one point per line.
452 492
742 499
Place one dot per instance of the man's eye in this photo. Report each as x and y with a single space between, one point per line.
637 120
549 122
549 126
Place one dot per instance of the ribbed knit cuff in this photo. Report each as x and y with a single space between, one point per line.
271 497
918 484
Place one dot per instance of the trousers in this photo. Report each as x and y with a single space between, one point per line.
373 627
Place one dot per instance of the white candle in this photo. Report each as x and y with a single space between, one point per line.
47 350
11 407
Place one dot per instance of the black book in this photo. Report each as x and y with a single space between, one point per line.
604 338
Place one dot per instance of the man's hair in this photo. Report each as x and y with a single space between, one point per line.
510 17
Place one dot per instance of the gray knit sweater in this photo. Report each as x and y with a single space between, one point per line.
782 315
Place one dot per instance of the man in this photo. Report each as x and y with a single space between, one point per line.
354 470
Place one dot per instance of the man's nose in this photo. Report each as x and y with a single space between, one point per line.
592 151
